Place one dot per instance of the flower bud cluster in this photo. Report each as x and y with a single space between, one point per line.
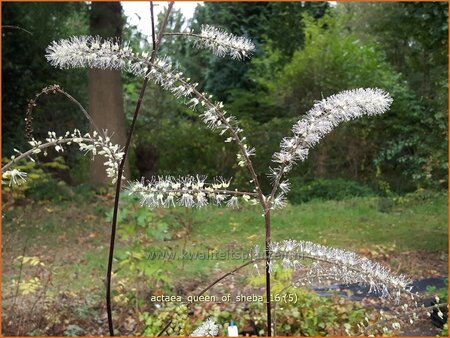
189 191
94 144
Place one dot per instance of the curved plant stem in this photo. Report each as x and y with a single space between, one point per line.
53 89
17 27
31 151
156 44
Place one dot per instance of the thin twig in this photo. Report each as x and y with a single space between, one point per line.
53 89
152 16
267 251
17 27
120 172
264 203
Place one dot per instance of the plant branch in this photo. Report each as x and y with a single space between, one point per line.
267 270
262 200
152 17
30 152
264 204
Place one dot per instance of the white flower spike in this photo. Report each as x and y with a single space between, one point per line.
188 191
320 120
223 44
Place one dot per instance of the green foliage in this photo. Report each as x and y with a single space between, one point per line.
441 293
334 59
73 330
139 227
304 51
325 189
135 218
177 314
310 314
43 181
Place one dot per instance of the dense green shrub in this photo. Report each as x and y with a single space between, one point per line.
327 189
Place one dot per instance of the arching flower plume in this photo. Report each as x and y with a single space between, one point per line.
319 121
94 52
94 144
337 265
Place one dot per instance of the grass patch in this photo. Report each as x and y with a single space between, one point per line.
74 237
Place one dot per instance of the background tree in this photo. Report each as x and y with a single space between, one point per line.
401 47
106 105
25 72
414 37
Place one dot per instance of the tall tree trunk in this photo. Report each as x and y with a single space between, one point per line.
105 86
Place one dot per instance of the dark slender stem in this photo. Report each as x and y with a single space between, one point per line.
120 173
116 208
53 89
164 329
264 203
226 275
152 16
268 301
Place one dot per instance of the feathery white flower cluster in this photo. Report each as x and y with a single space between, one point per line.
14 176
102 145
222 43
208 329
92 52
337 264
320 120
94 144
89 51
189 191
